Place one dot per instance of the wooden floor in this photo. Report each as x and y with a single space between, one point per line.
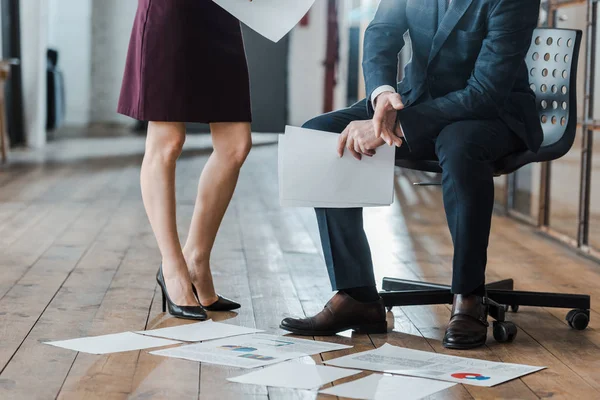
77 258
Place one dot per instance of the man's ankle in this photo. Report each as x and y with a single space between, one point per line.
363 294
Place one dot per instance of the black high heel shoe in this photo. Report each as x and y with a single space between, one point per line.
187 312
222 304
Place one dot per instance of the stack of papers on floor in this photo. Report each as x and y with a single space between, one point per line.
311 174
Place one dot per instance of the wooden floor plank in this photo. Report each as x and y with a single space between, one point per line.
38 371
125 307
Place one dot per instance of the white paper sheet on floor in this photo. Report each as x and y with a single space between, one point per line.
295 375
380 387
200 331
402 361
113 343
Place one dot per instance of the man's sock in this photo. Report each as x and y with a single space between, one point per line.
480 291
364 294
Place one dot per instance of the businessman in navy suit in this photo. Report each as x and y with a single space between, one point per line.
465 101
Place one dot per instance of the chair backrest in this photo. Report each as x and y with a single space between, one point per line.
552 62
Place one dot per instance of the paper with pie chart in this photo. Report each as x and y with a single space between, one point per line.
249 351
423 364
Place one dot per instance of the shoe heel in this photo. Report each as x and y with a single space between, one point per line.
164 300
379 327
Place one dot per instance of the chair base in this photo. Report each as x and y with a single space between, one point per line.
501 297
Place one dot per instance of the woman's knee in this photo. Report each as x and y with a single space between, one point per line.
233 142
165 140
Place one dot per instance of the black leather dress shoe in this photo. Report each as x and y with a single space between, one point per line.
468 324
341 313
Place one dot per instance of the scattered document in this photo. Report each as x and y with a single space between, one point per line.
248 351
115 343
380 387
311 174
200 331
295 376
308 347
271 18
401 361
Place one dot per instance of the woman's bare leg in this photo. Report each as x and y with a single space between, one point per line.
232 143
163 146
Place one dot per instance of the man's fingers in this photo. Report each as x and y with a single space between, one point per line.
350 147
386 138
378 121
342 143
396 101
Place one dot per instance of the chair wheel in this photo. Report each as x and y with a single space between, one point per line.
504 332
578 319
514 308
389 309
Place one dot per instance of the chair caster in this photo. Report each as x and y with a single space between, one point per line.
389 309
578 319
504 332
514 308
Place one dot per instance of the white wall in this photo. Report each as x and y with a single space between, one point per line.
34 37
306 71
70 32
112 21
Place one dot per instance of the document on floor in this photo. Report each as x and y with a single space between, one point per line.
200 331
383 387
401 361
240 351
272 19
311 174
295 375
286 343
114 343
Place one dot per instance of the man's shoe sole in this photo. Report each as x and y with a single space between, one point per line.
463 346
379 327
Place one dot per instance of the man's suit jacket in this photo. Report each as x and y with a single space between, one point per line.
471 67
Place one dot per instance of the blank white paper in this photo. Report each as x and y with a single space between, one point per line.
380 387
295 376
424 364
200 331
114 343
272 19
303 203
312 175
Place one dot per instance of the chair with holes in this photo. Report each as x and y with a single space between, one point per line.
552 63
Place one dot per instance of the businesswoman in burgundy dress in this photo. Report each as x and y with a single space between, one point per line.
186 63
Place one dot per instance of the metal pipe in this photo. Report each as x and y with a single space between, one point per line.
587 132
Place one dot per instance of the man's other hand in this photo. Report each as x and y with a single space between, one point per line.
360 139
386 126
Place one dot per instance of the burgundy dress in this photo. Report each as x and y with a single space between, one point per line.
186 63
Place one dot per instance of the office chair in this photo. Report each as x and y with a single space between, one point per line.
552 63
